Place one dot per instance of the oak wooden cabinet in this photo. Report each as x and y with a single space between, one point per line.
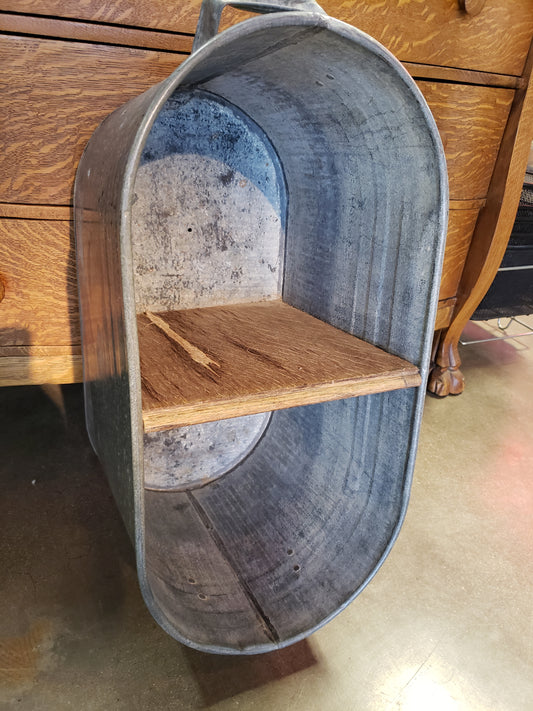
66 65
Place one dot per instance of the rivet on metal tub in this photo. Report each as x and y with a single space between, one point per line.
259 243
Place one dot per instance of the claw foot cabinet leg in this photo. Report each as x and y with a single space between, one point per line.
445 377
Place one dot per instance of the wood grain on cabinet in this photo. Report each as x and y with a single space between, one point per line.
38 271
471 121
439 32
57 94
36 212
461 224
445 311
490 236
56 366
462 76
54 28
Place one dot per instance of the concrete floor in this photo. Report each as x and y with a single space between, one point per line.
447 624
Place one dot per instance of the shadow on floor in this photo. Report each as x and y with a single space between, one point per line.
72 612
222 677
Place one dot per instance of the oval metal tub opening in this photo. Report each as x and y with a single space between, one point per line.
290 158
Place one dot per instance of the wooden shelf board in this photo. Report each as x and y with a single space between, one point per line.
207 364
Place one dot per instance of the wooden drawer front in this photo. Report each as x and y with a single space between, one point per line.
58 92
461 225
55 95
471 121
439 32
176 16
38 274
426 31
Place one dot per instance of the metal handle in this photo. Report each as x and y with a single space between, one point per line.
211 12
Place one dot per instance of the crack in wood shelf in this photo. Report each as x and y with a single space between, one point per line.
200 365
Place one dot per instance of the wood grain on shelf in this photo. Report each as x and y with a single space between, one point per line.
38 272
471 121
219 362
101 34
57 94
425 31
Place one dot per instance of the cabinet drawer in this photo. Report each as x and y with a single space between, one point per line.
426 31
440 32
471 121
38 275
56 94
177 16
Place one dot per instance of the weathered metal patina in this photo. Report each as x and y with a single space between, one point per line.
289 157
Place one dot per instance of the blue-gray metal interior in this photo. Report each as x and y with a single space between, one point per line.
266 554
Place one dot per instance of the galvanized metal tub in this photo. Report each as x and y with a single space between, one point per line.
290 156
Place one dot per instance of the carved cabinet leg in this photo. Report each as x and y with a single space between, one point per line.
446 381
445 377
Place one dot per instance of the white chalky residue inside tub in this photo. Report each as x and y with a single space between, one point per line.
208 213
188 457
208 228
